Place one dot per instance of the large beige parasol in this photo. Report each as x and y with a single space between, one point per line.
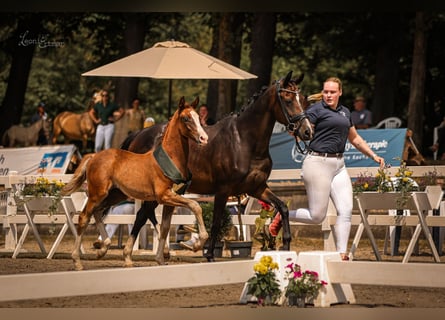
171 60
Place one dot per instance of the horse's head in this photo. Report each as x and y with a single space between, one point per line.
292 106
189 118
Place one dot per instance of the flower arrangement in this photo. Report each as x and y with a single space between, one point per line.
305 285
262 234
264 285
402 182
42 187
383 182
430 178
366 182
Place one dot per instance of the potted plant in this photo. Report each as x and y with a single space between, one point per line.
42 194
226 225
264 285
240 248
302 287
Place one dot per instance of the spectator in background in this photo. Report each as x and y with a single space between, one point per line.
204 116
438 123
136 116
361 116
149 122
40 115
104 114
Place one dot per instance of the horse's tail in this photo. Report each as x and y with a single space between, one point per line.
80 175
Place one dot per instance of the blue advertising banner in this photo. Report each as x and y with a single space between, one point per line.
387 143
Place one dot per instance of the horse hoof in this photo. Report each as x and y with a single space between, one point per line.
78 267
128 264
101 252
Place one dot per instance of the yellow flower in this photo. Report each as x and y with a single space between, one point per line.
266 260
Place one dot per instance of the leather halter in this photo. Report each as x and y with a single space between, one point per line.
171 171
293 123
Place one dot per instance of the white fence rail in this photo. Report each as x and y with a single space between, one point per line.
9 219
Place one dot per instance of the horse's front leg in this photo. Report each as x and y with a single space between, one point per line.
218 212
203 235
171 198
269 197
167 213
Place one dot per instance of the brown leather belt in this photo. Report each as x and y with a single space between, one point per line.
327 155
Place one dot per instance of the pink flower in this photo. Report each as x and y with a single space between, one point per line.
264 205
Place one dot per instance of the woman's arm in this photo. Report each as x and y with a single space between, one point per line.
361 145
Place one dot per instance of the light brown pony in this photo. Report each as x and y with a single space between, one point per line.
114 174
75 126
26 136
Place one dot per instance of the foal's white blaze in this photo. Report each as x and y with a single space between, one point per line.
203 138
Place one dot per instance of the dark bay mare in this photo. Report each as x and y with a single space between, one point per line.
114 175
236 159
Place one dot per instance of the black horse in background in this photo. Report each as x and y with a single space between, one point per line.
236 159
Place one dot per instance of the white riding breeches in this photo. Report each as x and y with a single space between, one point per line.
104 137
326 178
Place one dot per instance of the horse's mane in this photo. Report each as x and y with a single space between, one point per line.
255 96
126 143
249 104
160 137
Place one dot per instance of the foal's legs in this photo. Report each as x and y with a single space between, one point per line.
84 219
167 213
173 199
82 224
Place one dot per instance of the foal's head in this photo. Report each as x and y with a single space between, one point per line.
188 121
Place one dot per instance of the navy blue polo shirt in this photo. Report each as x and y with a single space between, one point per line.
331 127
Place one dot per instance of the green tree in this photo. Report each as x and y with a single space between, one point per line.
23 44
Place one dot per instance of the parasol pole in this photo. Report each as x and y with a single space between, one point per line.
169 98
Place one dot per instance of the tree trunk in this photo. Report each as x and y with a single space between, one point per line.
212 90
386 75
127 87
417 86
261 54
28 31
229 47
